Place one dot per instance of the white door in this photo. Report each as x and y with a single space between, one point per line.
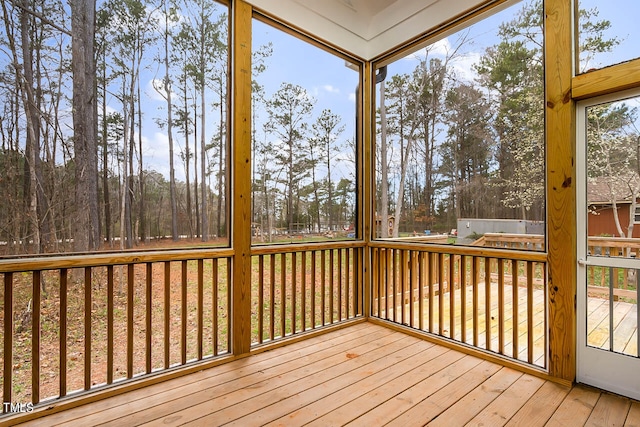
608 191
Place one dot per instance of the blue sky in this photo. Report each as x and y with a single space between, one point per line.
332 84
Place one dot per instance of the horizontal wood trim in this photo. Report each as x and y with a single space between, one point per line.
101 259
463 250
510 363
606 80
304 247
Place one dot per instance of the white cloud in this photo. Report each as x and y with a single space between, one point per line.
155 90
352 97
440 48
462 63
331 89
156 155
464 66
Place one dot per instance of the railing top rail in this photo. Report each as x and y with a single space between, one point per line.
102 259
304 247
625 242
482 251
513 237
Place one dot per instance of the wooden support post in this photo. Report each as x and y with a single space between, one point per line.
561 194
241 176
365 183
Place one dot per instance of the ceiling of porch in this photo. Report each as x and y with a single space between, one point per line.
366 28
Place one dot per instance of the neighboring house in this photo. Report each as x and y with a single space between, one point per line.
601 220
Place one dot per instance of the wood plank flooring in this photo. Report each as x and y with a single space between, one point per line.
362 375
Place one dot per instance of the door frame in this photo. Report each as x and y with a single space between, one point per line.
601 368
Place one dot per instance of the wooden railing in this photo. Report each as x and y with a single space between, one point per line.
531 242
78 323
624 282
490 299
300 288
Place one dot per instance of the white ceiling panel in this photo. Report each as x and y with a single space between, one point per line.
366 28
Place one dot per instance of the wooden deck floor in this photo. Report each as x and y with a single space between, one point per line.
362 375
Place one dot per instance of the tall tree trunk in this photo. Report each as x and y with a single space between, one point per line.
86 223
195 165
142 215
167 89
25 80
105 159
204 211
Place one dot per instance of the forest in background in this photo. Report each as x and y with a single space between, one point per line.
459 140
74 165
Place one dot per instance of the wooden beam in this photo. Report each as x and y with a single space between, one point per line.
241 177
367 123
561 194
607 80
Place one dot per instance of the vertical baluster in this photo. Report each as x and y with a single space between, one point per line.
87 328
7 377
530 311
388 292
183 319
515 310
340 252
110 313
358 280
487 302
64 277
215 280
501 303
421 281
544 316
303 289
347 263
283 295
200 321
403 285
260 298
228 308
323 268
378 269
394 283
167 314
475 267
331 284
452 299
35 338
412 280
272 296
149 309
294 285
441 289
432 278
313 289
463 298
130 289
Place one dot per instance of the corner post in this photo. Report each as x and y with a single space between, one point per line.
241 13
560 136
